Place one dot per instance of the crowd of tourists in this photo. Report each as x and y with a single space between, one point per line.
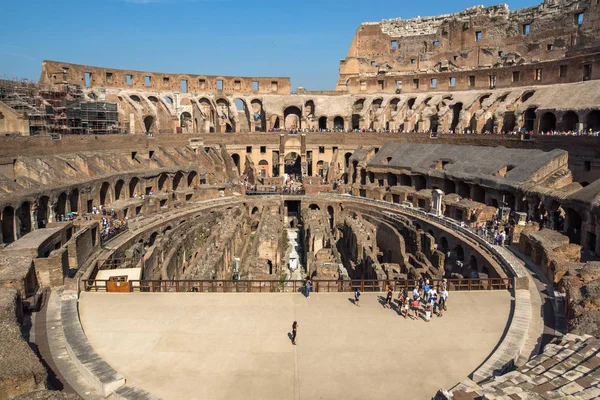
424 301
589 132
111 227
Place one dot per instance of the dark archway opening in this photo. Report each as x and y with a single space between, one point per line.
177 179
236 161
8 225
24 218
434 122
405 180
323 123
593 120
509 121
529 119
548 122
119 190
74 201
293 164
338 123
133 187
192 179
60 207
420 182
148 123
104 193
42 212
456 109
570 121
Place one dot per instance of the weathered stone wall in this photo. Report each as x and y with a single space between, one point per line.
457 45
20 370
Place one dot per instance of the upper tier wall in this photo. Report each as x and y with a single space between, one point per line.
56 73
475 38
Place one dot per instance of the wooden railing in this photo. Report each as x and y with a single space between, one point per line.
318 286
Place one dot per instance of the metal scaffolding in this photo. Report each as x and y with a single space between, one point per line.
65 110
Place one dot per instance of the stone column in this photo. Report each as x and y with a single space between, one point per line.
436 206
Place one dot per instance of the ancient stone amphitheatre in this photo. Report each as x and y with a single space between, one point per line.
158 229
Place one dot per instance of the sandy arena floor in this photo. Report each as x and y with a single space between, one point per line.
236 346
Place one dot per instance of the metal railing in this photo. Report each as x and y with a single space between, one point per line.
294 286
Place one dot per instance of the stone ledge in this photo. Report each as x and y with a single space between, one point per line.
509 349
132 392
96 372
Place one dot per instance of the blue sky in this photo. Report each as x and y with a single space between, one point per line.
302 39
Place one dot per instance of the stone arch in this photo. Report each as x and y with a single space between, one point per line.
444 244
460 253
358 105
42 212
309 108
258 115
592 120
432 233
490 124
484 98
394 104
405 180
323 123
185 122
119 193
162 179
74 201
177 180
263 168
133 186
509 121
569 121
338 123
456 109
347 159
293 163
105 193
60 207
574 224
243 114
529 117
275 122
420 182
8 225
148 123
527 95
314 207
23 216
548 122
254 210
392 179
434 122
292 118
236 161
192 179
411 103
473 263
478 194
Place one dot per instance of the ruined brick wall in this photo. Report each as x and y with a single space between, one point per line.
492 37
58 73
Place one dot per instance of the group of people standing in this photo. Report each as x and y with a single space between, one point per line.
429 299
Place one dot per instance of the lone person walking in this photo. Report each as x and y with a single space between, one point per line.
356 297
308 283
294 331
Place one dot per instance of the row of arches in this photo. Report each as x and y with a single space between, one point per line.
17 221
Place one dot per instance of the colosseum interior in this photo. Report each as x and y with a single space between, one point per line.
158 228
